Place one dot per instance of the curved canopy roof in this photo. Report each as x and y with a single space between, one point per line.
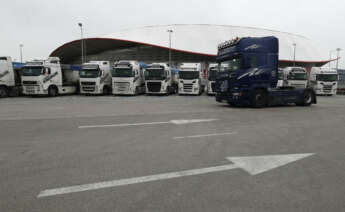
198 40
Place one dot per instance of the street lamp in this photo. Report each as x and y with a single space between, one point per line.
330 57
82 42
21 52
170 31
294 54
338 51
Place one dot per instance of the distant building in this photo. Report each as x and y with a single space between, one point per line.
189 43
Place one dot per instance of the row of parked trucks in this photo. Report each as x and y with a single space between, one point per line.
323 81
49 77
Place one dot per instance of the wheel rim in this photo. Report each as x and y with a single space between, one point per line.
259 99
307 98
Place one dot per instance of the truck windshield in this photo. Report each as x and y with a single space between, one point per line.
32 71
327 77
232 65
297 76
155 74
89 73
122 72
212 74
189 75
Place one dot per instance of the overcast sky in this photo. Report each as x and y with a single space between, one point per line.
43 25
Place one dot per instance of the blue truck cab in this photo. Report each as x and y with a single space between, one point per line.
248 75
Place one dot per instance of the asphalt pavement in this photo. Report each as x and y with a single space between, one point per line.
170 153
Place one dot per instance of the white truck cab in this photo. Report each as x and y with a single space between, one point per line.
128 78
295 77
211 79
49 77
324 81
10 77
160 79
190 79
95 78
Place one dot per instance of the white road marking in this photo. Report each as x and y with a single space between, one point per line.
135 180
207 135
259 164
122 125
177 122
252 164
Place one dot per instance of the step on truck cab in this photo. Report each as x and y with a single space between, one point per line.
295 77
324 81
190 79
249 75
10 77
95 78
211 79
49 77
160 79
128 78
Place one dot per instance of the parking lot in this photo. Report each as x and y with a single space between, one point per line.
170 153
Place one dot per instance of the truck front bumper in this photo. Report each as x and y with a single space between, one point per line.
34 90
234 98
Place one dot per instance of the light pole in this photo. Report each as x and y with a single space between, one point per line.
82 42
330 57
338 51
294 54
170 31
21 52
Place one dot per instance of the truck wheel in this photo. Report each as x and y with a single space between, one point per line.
259 99
14 92
106 90
3 92
52 91
307 98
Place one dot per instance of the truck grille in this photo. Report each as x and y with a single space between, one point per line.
31 89
154 86
297 85
188 87
121 86
88 83
88 88
327 88
30 83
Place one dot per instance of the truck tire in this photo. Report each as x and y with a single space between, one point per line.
3 92
307 98
14 92
52 91
259 99
106 90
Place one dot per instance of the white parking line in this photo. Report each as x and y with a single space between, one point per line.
121 125
207 135
176 122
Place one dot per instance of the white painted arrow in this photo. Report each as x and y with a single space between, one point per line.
253 165
177 122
